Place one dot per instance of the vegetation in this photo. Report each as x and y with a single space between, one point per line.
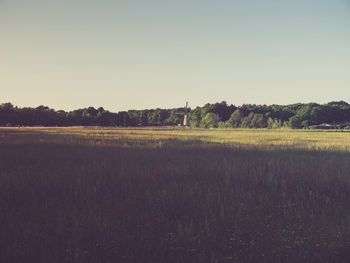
174 195
210 115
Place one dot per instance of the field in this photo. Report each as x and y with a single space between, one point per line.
174 195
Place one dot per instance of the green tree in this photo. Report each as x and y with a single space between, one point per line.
224 125
258 121
270 123
235 119
277 124
274 123
295 122
305 124
143 118
211 120
195 117
174 118
246 122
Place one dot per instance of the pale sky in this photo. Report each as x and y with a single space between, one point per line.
138 54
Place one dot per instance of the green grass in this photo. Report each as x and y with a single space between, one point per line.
173 195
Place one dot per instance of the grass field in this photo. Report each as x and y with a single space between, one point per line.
174 195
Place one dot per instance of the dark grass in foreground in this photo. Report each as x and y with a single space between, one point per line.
179 202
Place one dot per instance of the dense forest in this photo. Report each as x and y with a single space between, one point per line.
215 115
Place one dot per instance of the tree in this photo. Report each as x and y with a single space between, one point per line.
8 114
248 116
89 116
133 118
270 123
246 122
223 110
258 121
195 117
223 125
305 124
163 115
211 120
153 116
235 119
295 122
277 124
175 117
106 118
143 120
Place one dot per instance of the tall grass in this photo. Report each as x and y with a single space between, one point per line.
121 195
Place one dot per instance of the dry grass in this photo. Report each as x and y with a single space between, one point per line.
172 195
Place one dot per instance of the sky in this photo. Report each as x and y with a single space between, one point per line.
129 54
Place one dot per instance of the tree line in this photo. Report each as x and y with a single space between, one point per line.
296 116
45 116
222 115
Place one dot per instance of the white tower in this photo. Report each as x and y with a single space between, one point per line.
186 123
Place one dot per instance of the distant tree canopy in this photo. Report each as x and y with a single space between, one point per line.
210 120
44 116
209 116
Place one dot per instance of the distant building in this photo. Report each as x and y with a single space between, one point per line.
326 126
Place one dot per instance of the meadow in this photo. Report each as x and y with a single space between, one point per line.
174 195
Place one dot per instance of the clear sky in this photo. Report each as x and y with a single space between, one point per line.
129 54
